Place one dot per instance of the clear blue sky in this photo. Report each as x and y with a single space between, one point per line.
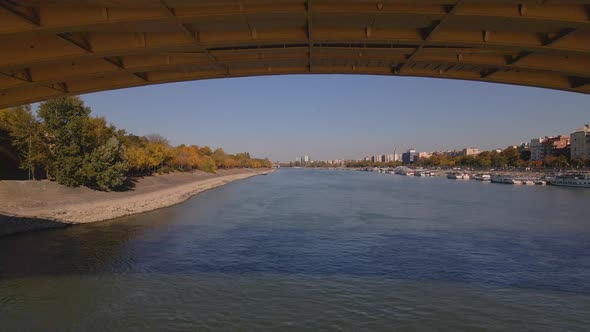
338 116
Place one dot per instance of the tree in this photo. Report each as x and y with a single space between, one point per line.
205 151
537 163
106 168
27 137
550 161
207 164
561 161
484 160
512 156
579 162
65 121
499 161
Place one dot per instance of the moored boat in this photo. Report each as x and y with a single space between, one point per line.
483 177
458 176
571 180
505 179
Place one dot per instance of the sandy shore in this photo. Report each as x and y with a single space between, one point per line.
34 205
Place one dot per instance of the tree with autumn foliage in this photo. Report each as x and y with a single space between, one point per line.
77 149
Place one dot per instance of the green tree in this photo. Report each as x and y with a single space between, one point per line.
579 162
512 156
499 160
561 161
106 168
27 137
66 123
207 164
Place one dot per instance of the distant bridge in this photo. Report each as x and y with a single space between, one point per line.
52 48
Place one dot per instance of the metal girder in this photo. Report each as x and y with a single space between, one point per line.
50 49
142 75
78 39
193 35
229 58
309 27
427 35
578 82
550 40
29 15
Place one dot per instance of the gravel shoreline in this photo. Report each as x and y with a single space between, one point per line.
28 206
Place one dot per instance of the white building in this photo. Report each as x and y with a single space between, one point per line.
537 149
580 143
471 151
424 155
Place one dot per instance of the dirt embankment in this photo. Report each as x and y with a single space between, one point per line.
33 205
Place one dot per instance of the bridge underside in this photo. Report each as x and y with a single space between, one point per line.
52 48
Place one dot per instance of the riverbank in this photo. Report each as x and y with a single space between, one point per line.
35 205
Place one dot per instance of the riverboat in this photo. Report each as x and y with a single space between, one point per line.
505 179
458 176
571 180
483 177
404 171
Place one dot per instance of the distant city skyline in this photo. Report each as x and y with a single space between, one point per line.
342 117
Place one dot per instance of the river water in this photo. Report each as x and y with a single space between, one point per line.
315 250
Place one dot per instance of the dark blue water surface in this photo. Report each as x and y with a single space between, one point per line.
315 250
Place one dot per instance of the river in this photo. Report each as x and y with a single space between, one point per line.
315 250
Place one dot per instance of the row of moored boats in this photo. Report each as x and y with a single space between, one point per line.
580 180
497 178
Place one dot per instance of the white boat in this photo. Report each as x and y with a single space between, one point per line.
402 170
571 180
540 182
528 182
483 177
505 179
423 173
458 176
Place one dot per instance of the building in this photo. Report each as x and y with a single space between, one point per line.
451 153
471 151
549 146
410 156
580 143
380 158
424 155
537 150
523 147
557 146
